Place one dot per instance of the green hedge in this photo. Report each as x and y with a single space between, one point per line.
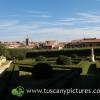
64 60
41 58
56 53
67 52
19 53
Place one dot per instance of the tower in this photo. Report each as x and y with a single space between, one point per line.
27 41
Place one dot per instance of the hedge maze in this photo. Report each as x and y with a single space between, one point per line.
44 74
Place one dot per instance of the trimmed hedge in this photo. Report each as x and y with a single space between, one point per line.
41 58
69 52
57 53
64 60
18 53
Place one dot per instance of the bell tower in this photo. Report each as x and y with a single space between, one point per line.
27 41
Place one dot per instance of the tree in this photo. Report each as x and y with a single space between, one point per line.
3 50
42 70
64 60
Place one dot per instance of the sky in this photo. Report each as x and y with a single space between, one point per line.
41 20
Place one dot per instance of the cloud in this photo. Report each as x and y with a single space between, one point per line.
44 16
36 31
31 15
89 18
82 19
7 23
61 29
38 14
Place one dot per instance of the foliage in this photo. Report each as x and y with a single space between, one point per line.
51 58
3 51
64 60
54 53
18 53
42 70
41 58
21 57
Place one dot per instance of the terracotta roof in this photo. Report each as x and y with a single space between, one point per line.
90 40
86 40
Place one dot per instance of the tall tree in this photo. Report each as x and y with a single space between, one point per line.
3 50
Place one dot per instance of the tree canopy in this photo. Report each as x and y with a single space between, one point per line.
3 50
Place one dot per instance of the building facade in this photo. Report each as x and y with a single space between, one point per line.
86 42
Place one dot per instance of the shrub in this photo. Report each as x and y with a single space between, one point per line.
64 60
3 50
42 70
75 56
21 57
41 58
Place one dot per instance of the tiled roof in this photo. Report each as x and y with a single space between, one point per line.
86 40
90 40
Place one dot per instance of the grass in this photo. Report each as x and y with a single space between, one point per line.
98 64
49 61
85 66
26 61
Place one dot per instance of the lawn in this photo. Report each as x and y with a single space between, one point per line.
26 61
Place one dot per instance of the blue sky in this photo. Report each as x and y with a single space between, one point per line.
62 20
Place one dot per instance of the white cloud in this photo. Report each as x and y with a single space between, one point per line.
32 14
40 16
7 23
89 18
82 18
53 29
38 32
36 12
